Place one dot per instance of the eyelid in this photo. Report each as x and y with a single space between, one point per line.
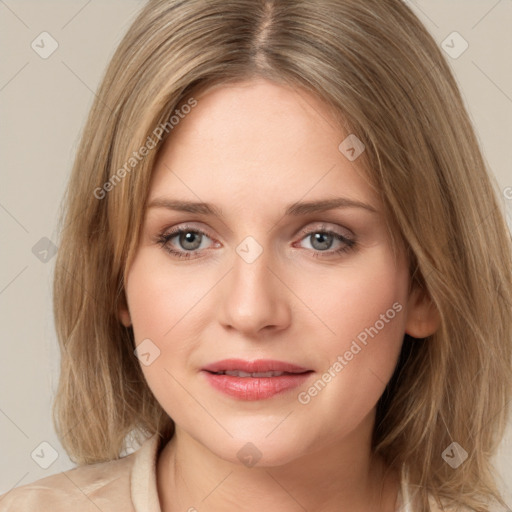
327 227
176 229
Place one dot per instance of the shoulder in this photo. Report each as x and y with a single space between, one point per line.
104 486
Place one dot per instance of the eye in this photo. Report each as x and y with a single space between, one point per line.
189 239
186 241
322 239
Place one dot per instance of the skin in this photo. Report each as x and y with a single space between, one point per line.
252 149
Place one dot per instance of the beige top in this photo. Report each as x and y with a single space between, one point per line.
124 485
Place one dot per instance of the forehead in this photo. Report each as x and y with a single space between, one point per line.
257 140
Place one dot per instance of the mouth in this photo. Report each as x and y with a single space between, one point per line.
254 380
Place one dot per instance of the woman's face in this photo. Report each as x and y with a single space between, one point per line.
271 275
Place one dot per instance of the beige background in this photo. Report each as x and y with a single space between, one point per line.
44 103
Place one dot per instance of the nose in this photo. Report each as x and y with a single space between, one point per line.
254 298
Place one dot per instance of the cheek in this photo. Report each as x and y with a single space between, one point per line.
168 305
351 298
362 311
159 297
161 300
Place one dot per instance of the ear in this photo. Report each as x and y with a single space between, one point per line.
123 312
423 318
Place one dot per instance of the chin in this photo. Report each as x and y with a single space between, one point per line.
258 448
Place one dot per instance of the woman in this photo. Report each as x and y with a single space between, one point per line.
284 269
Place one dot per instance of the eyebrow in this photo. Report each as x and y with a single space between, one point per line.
294 209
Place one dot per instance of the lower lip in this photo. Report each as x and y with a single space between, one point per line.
255 388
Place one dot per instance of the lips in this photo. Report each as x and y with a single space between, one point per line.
254 380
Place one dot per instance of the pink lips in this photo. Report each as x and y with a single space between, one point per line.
255 387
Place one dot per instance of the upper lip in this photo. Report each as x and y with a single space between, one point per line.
256 366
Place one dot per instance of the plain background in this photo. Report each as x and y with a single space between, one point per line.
44 103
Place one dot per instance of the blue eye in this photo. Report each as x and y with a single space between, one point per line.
190 240
322 241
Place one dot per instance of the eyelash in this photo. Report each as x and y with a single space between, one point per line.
164 238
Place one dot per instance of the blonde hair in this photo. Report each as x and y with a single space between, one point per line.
386 81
